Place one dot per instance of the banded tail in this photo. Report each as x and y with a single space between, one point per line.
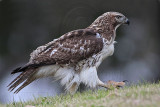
26 77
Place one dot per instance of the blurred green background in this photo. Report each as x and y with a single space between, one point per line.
27 24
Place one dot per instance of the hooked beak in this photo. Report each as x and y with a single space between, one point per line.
127 21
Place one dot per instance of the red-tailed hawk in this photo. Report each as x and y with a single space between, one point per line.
74 57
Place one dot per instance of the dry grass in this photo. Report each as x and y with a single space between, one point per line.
144 95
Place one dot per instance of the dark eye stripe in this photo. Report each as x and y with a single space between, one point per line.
118 17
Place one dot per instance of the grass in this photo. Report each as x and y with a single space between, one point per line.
143 95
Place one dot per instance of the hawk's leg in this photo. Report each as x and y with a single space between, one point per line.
112 84
102 84
115 84
73 88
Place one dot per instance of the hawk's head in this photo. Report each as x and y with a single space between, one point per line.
116 18
110 20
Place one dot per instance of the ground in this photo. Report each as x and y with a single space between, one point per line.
143 95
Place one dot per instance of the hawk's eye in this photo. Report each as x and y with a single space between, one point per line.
118 17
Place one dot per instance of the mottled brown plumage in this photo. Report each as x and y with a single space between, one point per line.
68 49
73 56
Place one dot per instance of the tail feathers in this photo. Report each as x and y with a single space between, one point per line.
27 82
26 76
20 76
